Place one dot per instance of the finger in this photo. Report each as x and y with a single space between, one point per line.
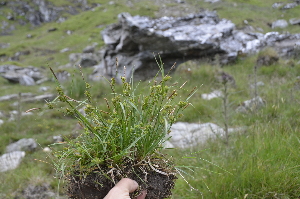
142 195
127 184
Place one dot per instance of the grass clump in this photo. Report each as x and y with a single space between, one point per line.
126 139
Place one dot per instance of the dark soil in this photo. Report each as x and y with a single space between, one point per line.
158 181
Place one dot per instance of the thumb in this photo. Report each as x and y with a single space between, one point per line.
127 184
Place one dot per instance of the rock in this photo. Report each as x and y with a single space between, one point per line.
22 145
52 29
251 105
212 95
212 1
39 191
258 84
1 122
9 161
178 39
64 50
290 5
88 60
62 75
295 21
58 138
22 75
25 80
15 114
277 5
135 39
179 1
74 57
89 49
43 98
185 135
40 81
47 149
16 96
44 88
281 23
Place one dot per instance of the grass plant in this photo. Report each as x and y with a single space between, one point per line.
134 127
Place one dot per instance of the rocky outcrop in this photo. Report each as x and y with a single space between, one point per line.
134 39
26 76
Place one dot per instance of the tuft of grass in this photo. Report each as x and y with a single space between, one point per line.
135 124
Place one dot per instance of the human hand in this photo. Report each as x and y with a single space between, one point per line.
122 189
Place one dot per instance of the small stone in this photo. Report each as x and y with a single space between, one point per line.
47 149
281 23
64 50
58 138
295 21
52 29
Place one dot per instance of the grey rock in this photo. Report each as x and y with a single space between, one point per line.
1 122
295 21
281 23
39 191
212 1
22 145
258 84
290 5
212 95
89 49
185 135
41 98
26 80
178 39
62 75
10 161
22 75
16 96
15 114
64 50
40 81
88 60
4 45
58 138
135 38
179 1
277 5
74 57
251 105
44 88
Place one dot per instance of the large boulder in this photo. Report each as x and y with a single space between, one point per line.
134 40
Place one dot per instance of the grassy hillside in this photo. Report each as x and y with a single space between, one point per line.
262 162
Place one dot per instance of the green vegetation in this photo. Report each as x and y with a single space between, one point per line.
133 126
262 162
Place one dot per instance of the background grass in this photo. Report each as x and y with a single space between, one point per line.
262 162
